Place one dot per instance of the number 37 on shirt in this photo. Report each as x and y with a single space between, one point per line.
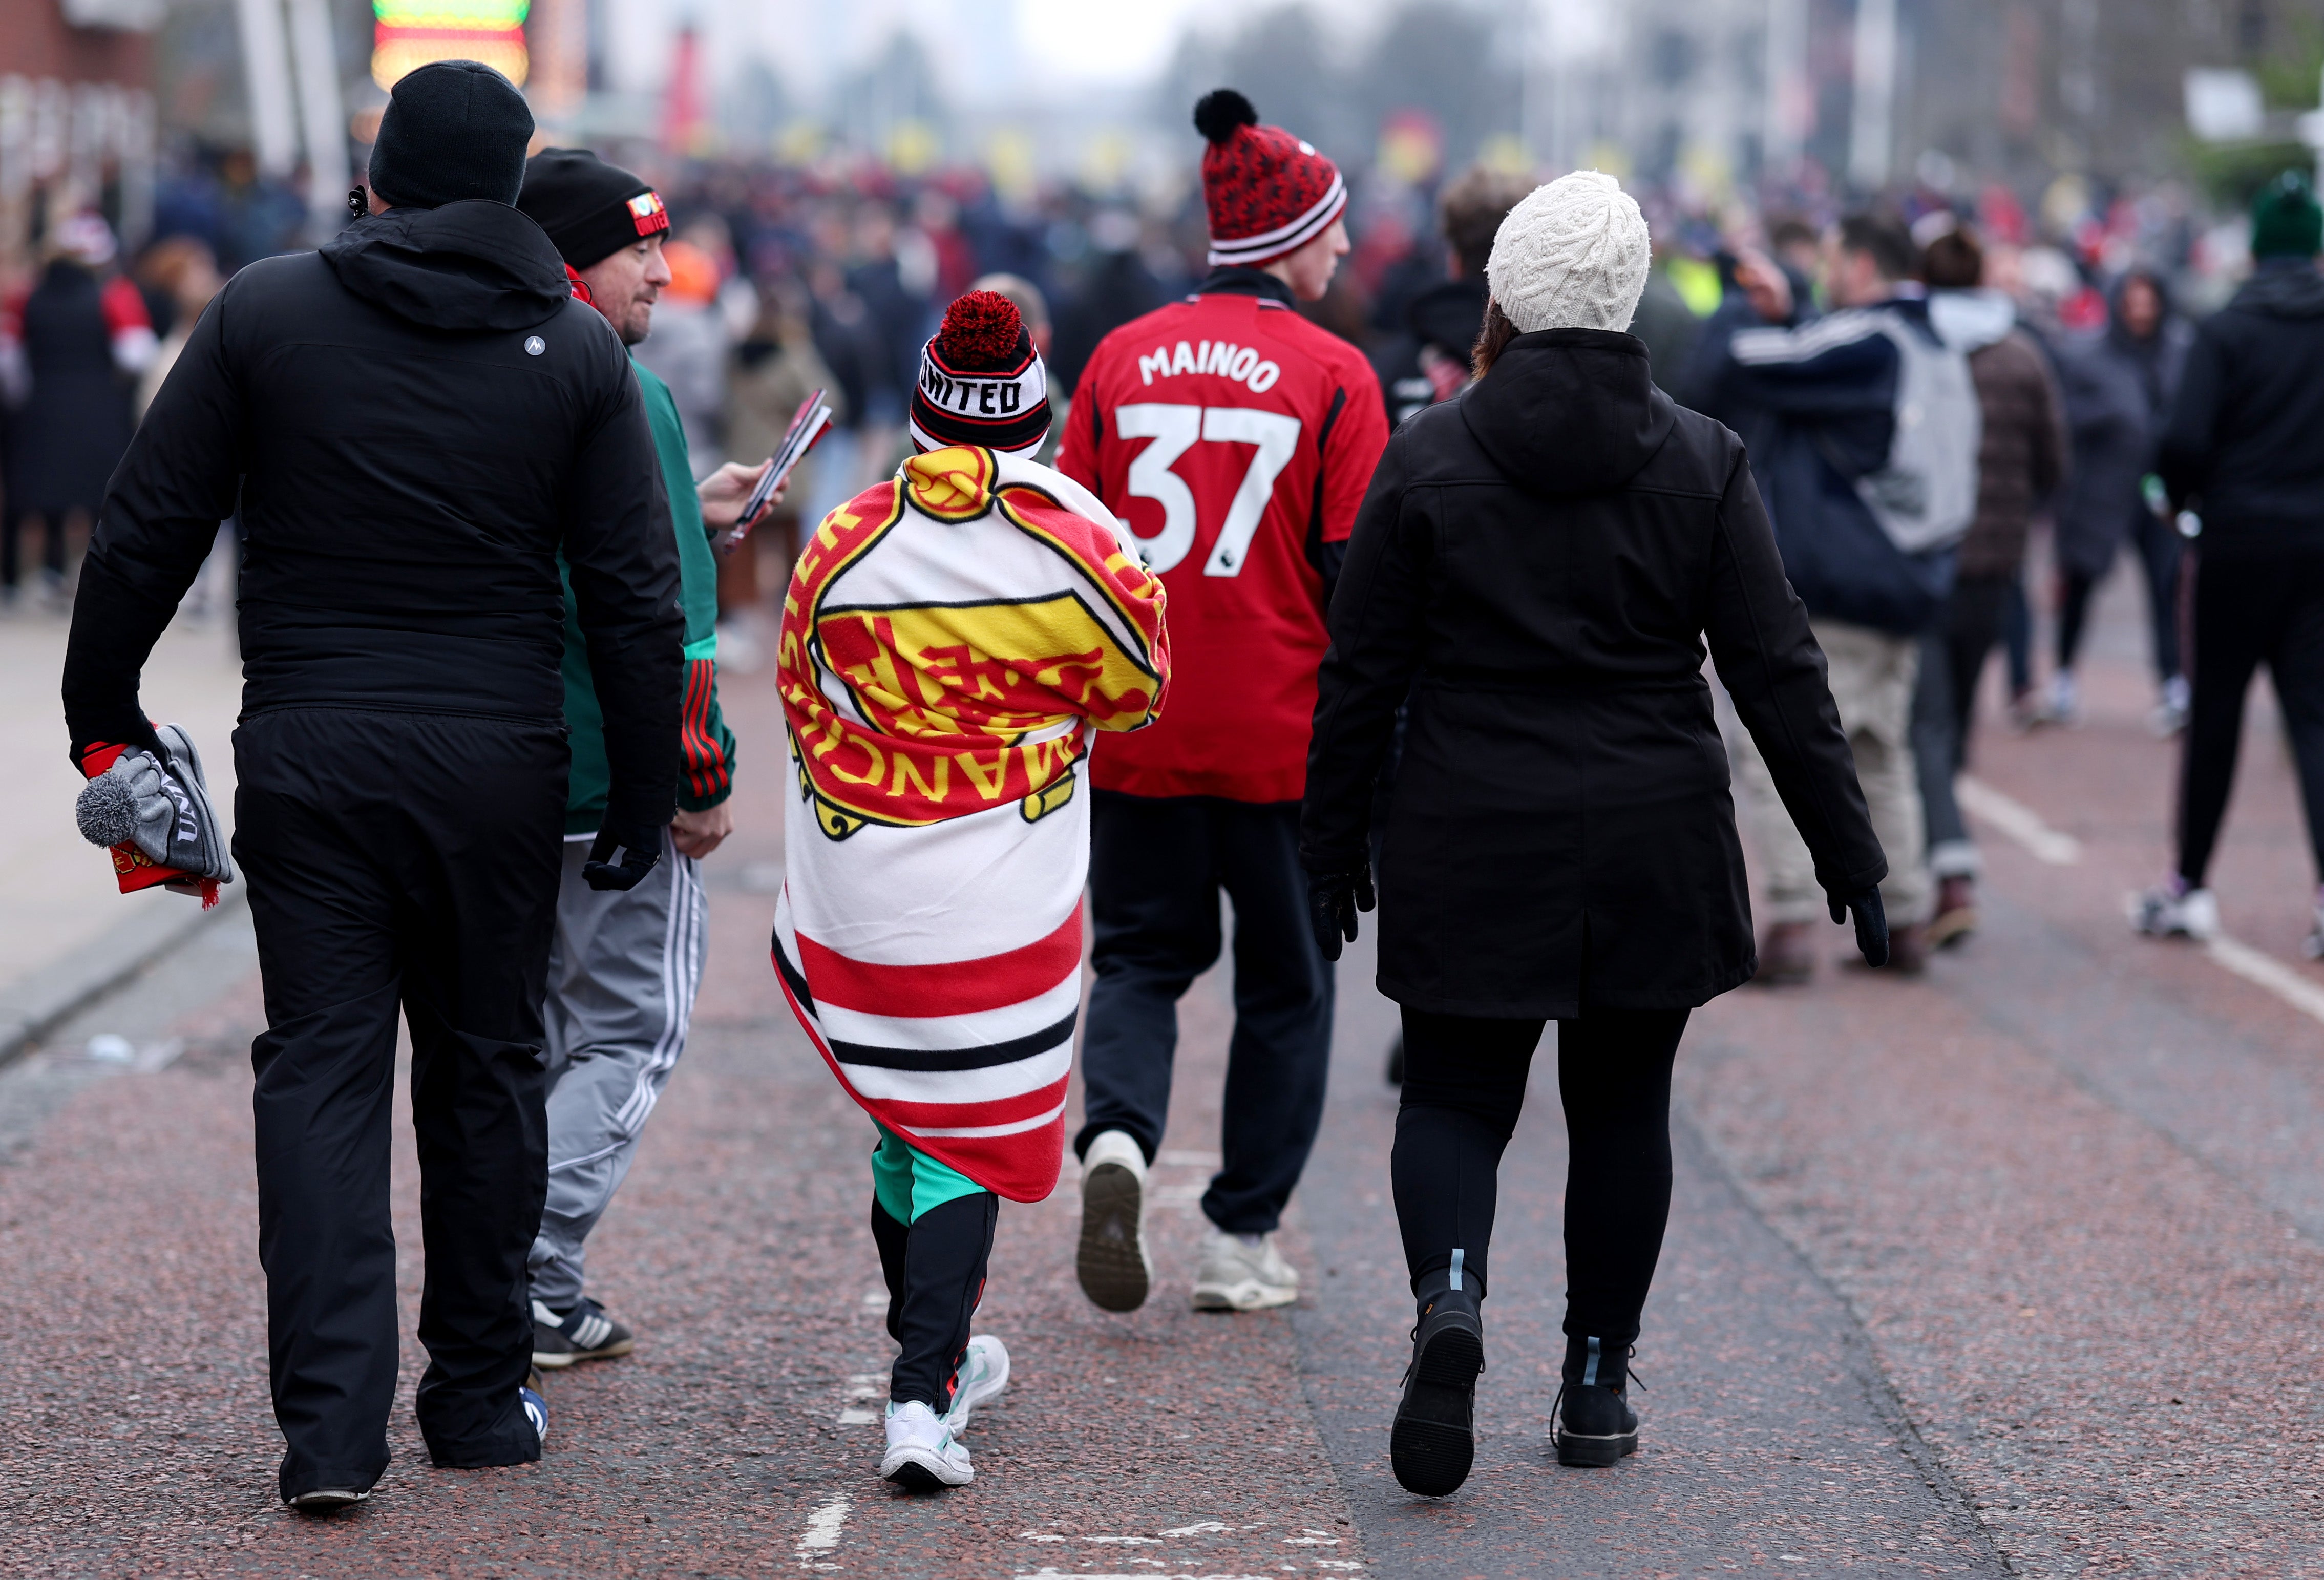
1274 439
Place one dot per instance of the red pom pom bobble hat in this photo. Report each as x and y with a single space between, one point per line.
1266 192
981 381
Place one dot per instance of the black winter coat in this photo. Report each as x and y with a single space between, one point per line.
418 418
2245 444
1538 561
71 432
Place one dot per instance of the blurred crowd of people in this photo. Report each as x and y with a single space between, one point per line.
790 279
786 281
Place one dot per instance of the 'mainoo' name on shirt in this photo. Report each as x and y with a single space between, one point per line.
1223 358
982 397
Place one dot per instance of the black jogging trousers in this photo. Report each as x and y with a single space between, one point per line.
399 861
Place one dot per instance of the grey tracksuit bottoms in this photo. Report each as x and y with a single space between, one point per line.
622 973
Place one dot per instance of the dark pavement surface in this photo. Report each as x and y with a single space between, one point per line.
2014 1268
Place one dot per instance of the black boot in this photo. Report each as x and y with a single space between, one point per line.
1433 1440
1595 1423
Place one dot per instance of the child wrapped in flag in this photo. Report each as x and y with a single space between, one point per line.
952 641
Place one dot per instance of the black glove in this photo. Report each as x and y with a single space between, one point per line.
1871 924
1333 900
639 848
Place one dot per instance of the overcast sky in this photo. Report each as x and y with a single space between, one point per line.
1128 41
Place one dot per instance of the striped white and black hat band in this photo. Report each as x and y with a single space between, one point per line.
996 409
1274 243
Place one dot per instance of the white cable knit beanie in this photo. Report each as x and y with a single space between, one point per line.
1573 256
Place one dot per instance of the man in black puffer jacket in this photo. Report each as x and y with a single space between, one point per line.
2245 450
416 419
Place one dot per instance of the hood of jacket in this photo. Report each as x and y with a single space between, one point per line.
1971 321
474 264
1448 315
1568 411
2292 290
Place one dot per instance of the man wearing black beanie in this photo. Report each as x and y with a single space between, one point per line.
446 137
418 420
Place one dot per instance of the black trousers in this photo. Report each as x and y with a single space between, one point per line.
1936 743
935 1271
2161 552
2163 555
2250 610
1944 701
1975 618
399 861
1156 864
1464 1084
12 531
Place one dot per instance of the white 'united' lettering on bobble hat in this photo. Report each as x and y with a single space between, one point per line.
1573 256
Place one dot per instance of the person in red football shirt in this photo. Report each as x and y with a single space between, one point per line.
1236 440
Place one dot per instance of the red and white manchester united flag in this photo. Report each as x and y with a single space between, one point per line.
952 641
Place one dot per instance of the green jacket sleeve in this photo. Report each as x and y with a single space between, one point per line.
707 745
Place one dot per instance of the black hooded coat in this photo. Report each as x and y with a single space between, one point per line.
417 419
2118 391
72 431
1539 563
2245 442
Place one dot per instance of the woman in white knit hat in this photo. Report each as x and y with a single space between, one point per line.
1537 566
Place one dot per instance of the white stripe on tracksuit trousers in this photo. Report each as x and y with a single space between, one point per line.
623 970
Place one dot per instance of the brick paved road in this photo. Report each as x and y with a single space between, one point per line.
2013 1270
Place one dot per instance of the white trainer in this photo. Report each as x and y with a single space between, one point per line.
922 1456
1239 1277
1112 1262
2065 705
2164 912
983 1374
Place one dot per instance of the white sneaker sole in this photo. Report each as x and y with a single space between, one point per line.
557 1359
2159 925
327 1500
1111 1263
923 1470
1249 1295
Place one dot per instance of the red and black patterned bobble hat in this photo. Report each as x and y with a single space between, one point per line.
1267 193
980 381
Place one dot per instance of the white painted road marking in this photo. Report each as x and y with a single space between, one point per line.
2017 820
1082 1574
2024 826
822 1532
2265 970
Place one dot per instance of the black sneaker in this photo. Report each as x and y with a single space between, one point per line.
1433 1440
583 1334
1595 1423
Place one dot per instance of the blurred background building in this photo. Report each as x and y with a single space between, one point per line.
253 107
77 115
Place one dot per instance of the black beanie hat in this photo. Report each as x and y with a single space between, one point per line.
980 381
590 210
453 129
